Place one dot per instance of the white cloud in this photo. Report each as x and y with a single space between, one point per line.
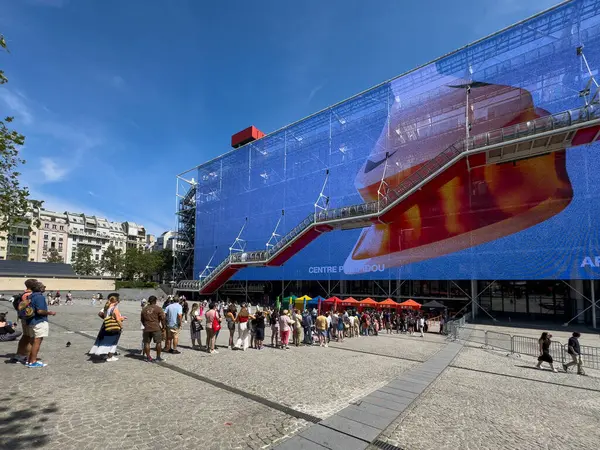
16 102
117 82
52 170
314 91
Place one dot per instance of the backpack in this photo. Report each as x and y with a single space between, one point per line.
24 308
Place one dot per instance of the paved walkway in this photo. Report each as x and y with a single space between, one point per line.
359 425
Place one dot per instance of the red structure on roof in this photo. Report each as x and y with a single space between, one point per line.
248 135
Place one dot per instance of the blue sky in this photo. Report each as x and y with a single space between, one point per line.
116 97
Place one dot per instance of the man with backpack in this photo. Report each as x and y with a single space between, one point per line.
36 315
24 346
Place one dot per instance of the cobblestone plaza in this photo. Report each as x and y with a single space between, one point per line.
407 392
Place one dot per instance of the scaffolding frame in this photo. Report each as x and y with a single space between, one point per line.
185 212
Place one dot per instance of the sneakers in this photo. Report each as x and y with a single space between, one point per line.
215 351
565 368
175 352
159 360
554 370
112 359
37 364
149 360
326 345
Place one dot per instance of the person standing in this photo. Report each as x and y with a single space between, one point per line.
69 300
274 322
153 320
321 327
307 324
575 353
259 326
545 341
196 326
24 345
422 325
285 323
110 331
37 326
185 309
243 332
174 317
230 319
297 318
211 315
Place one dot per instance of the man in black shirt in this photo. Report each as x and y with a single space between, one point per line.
575 352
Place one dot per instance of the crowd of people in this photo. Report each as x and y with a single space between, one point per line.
162 325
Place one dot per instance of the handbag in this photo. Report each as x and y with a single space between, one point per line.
111 325
216 325
196 326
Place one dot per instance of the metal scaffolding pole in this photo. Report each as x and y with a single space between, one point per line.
593 292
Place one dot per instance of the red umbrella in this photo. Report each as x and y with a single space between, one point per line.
410 303
388 303
350 302
368 302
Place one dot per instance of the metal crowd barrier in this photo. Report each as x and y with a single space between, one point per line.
523 345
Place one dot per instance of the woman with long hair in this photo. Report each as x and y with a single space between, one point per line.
196 326
210 316
110 331
243 331
545 341
230 317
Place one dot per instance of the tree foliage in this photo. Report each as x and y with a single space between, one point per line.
54 256
113 261
14 198
83 263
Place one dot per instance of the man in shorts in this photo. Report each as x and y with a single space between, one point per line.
153 320
174 317
24 346
321 327
37 326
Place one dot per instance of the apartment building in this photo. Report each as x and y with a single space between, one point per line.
166 241
135 234
53 234
20 241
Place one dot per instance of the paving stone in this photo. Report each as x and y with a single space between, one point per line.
359 415
299 443
332 439
353 428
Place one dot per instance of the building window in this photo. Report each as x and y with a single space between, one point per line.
32 251
33 242
97 257
60 246
52 244
60 239
62 228
54 227
31 259
45 236
46 226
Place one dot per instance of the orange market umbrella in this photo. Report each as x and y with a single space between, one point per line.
388 303
368 302
350 302
410 303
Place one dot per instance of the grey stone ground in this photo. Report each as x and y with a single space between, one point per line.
486 400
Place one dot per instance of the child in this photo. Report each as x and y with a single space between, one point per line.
258 324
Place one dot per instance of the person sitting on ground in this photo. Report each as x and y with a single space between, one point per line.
7 329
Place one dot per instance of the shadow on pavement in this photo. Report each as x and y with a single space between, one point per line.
21 427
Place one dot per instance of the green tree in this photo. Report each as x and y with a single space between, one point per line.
132 264
166 270
54 256
14 198
113 261
83 263
151 264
